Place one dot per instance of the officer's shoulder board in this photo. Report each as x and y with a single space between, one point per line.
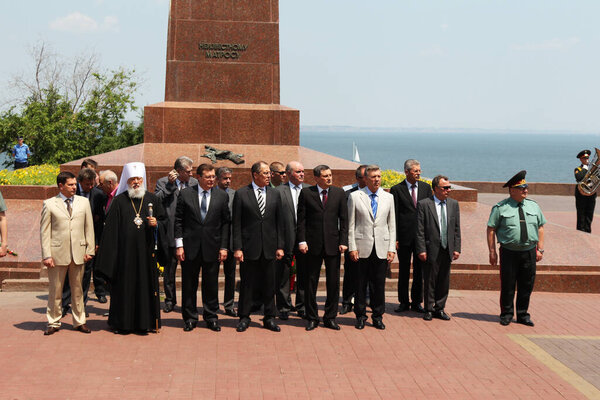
578 169
501 202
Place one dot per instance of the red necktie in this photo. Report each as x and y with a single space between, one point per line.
414 194
324 193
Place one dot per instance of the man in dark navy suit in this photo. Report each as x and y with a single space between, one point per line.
202 223
406 195
258 239
323 236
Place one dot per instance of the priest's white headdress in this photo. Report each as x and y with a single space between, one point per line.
131 170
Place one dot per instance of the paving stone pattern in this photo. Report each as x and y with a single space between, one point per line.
469 357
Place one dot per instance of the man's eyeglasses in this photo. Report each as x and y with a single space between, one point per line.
279 172
446 187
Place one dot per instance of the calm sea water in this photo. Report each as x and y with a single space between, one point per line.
462 156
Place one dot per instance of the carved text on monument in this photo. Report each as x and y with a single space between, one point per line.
222 50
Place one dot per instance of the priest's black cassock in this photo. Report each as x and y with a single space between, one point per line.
125 257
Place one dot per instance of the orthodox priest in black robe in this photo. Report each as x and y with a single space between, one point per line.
127 255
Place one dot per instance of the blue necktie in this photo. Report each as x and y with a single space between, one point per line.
203 207
374 204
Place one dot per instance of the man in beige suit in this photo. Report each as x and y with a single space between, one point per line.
371 243
67 236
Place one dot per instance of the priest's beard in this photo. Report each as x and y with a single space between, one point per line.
136 193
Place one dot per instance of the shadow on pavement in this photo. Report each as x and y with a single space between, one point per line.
477 316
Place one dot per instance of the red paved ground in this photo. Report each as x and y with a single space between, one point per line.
469 357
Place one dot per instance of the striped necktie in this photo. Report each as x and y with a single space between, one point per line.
261 201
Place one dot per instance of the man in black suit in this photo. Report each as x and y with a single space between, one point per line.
224 183
438 244
350 267
202 223
258 240
86 180
167 190
290 191
406 195
323 236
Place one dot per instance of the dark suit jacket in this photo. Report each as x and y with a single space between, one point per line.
255 234
428 228
168 192
97 200
209 235
406 212
289 217
231 193
323 229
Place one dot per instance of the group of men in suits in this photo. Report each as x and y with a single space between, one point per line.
266 228
273 223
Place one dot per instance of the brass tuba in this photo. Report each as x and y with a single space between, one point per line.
591 181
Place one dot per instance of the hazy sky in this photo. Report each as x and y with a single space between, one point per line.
385 63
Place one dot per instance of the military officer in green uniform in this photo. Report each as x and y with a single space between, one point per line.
584 204
518 224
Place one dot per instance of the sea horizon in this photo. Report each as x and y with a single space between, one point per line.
462 156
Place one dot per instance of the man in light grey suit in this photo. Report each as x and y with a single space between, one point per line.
372 243
224 183
438 244
289 192
167 190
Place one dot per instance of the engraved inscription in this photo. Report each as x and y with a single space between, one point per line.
227 51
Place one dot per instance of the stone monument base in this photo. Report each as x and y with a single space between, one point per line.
159 159
195 122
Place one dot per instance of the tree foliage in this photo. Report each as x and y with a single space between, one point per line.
67 117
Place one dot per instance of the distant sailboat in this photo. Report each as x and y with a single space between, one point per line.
355 156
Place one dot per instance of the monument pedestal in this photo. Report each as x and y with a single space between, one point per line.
219 123
222 89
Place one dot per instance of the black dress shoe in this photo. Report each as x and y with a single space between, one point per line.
505 320
441 315
102 299
271 325
83 329
417 308
346 308
243 325
51 331
402 307
427 316
213 325
379 324
189 326
331 324
360 323
230 312
525 321
311 324
168 307
284 315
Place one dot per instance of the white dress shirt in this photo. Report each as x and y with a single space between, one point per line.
410 189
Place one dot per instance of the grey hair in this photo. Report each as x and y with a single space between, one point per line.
371 167
183 162
109 175
222 171
408 164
